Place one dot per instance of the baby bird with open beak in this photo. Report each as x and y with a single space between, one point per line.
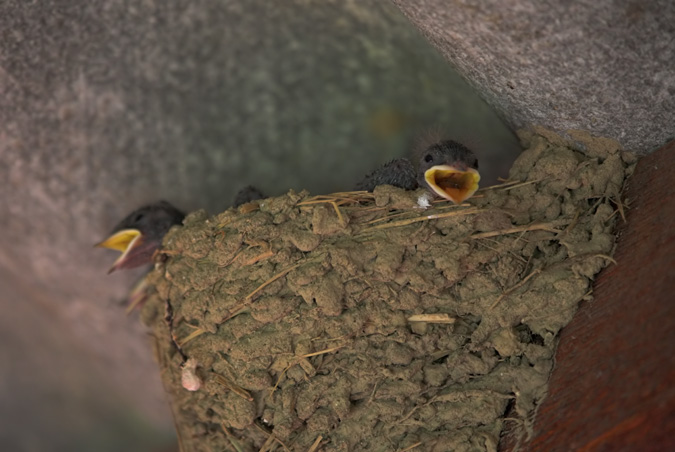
140 234
449 170
446 168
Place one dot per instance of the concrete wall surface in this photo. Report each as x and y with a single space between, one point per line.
602 66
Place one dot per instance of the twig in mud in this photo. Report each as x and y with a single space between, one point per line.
521 184
268 442
301 357
231 438
340 198
264 255
527 228
438 216
226 383
508 185
315 446
339 214
431 318
387 217
407 212
271 437
270 281
249 207
414 408
247 300
168 318
498 251
619 208
374 208
195 334
258 258
515 287
411 447
334 202
572 224
609 258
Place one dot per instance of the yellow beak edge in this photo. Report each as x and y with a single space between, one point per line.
122 241
452 184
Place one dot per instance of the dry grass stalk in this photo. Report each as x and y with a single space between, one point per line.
509 184
387 217
258 258
322 352
515 287
226 383
270 281
338 199
249 207
272 437
403 213
606 257
431 318
500 250
550 227
339 214
395 224
252 244
231 438
518 185
268 442
299 359
238 309
195 334
341 198
316 444
619 208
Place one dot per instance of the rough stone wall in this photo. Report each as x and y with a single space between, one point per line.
606 66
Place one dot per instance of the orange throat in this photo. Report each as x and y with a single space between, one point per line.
452 184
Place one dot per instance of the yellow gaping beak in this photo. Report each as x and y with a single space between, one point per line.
122 241
450 183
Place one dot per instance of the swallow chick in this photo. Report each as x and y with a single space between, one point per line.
449 170
399 173
140 234
246 195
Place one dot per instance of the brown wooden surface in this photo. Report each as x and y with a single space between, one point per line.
613 386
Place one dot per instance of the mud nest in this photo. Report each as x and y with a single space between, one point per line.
358 321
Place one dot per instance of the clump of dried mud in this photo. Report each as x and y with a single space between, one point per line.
297 310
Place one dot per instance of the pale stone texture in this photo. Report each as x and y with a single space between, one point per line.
602 66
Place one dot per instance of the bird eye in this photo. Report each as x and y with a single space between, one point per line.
138 218
428 158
